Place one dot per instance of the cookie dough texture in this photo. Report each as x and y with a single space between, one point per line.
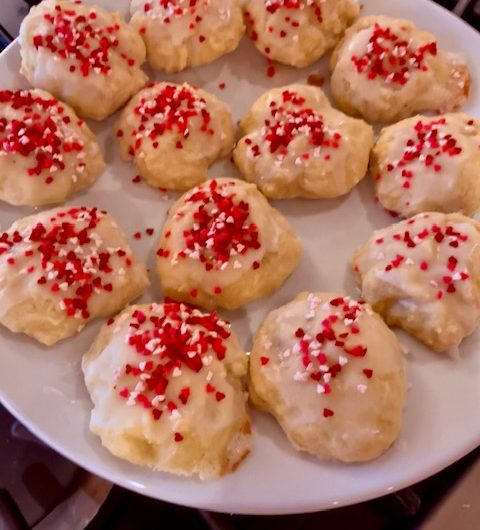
171 411
386 69
84 55
223 245
298 32
173 133
428 164
423 275
295 144
61 268
46 152
331 373
187 33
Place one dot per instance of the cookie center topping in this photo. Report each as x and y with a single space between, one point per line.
429 144
80 39
452 271
172 110
392 58
39 131
221 229
174 339
285 124
68 255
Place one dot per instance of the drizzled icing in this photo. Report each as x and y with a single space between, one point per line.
422 275
421 161
168 109
81 38
64 255
391 57
322 348
38 128
170 341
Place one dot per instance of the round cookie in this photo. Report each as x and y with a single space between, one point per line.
224 245
167 384
46 152
296 145
82 54
423 275
428 164
332 374
385 69
298 32
174 133
61 268
182 33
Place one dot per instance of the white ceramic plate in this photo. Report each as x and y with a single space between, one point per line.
44 387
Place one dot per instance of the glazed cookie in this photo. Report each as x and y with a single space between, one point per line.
385 69
429 164
224 245
174 133
167 384
82 54
61 268
298 32
183 33
297 145
46 152
332 374
424 276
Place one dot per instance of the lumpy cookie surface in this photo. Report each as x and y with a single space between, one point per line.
298 32
331 372
167 384
423 275
84 55
46 152
386 69
184 33
223 245
61 268
174 133
296 145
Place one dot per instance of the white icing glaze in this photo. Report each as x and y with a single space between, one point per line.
422 274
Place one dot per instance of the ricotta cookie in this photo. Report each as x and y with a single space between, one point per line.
224 245
296 145
46 152
423 275
173 133
167 384
82 54
429 164
385 69
332 374
183 33
298 32
61 268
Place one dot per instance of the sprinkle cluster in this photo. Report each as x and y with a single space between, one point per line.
174 109
325 352
391 58
451 272
170 339
289 23
192 10
66 254
41 132
221 230
80 40
429 144
289 120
